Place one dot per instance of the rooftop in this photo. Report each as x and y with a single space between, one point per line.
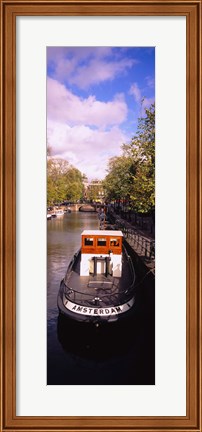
111 233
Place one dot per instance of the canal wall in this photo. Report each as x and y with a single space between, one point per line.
72 207
143 271
78 207
145 295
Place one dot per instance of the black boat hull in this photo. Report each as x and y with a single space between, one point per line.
97 315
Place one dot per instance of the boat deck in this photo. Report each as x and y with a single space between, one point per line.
99 290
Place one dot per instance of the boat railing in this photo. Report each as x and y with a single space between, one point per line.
81 297
73 294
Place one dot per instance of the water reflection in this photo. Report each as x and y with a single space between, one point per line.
89 341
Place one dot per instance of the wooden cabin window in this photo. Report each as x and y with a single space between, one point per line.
114 242
101 242
88 241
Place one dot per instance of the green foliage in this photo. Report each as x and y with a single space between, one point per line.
64 182
118 182
74 184
132 175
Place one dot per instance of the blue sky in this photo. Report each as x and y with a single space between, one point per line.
94 99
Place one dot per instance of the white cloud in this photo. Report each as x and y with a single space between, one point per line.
99 71
142 101
136 92
56 54
150 81
86 66
147 102
64 106
87 149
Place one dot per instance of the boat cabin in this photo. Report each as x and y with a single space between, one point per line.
101 253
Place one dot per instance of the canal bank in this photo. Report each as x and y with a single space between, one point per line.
141 243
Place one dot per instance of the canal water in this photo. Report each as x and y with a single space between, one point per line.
121 353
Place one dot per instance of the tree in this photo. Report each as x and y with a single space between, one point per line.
64 182
74 184
132 175
142 150
119 180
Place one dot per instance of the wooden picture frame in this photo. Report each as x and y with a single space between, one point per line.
10 9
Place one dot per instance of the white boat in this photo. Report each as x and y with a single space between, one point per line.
59 213
99 285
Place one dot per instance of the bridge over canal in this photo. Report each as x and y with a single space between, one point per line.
84 207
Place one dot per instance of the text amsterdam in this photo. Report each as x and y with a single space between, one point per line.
95 311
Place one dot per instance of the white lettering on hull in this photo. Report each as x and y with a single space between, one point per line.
83 310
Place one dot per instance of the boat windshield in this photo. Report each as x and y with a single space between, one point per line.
101 242
88 241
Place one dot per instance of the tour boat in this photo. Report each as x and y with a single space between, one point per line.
99 285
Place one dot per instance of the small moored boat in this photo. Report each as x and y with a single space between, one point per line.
59 213
99 285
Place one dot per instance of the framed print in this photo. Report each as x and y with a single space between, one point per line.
82 202
34 37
